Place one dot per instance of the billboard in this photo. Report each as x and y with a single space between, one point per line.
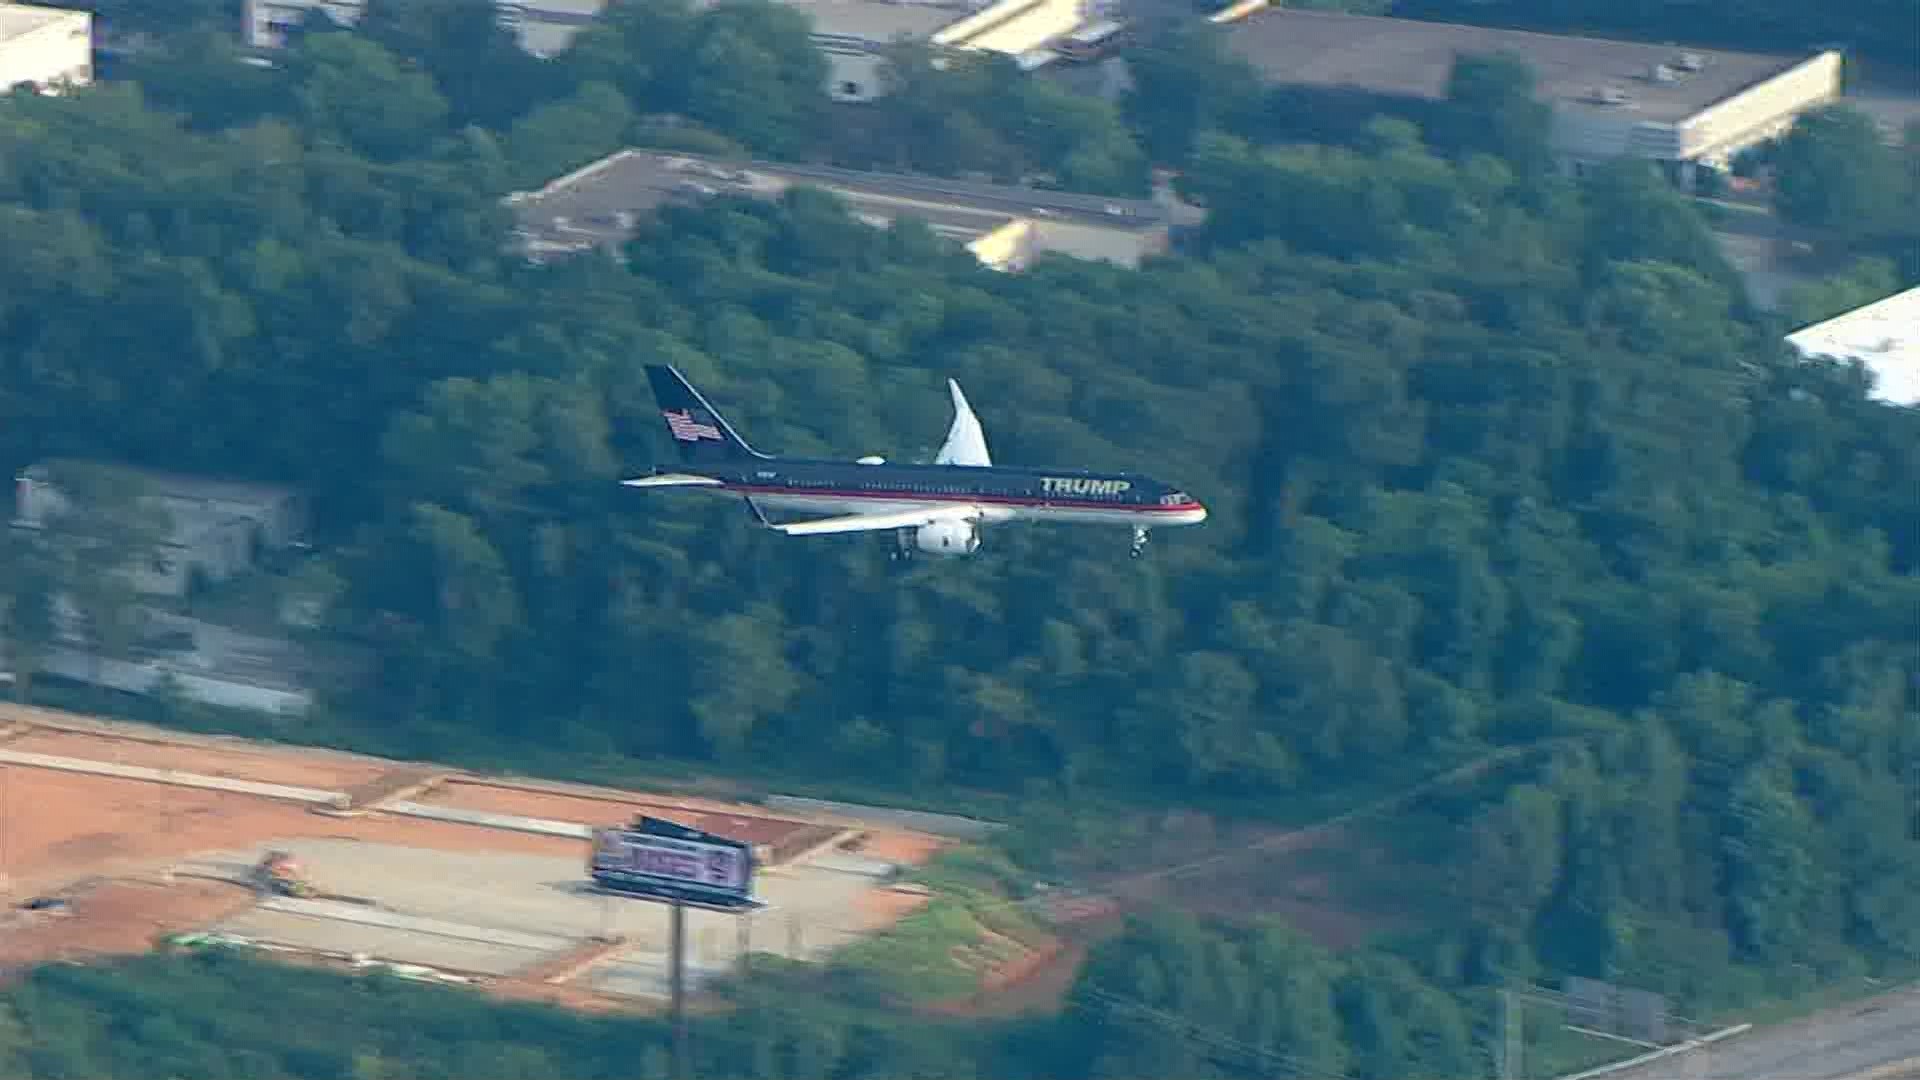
660 858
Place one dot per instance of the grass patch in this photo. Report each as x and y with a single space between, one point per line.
1553 1050
972 925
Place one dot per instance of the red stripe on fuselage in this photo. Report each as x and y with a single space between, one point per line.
993 500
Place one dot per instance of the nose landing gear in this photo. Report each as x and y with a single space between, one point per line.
1139 543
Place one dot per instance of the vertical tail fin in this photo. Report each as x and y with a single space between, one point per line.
701 433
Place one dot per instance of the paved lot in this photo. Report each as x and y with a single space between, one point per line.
1834 1045
498 913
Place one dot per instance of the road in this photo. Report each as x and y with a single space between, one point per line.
1838 1044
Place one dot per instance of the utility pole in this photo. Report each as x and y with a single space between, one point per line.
1511 1036
745 946
677 981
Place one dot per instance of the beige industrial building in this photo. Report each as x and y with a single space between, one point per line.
855 34
1005 227
1686 107
217 529
852 34
47 48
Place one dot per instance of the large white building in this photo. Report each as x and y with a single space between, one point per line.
1884 337
1681 106
47 48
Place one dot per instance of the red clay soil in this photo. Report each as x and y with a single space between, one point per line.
116 917
911 849
63 826
1239 877
884 907
266 767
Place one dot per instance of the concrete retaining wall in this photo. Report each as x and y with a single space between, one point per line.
572 830
311 796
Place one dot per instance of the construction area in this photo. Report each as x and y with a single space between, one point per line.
114 837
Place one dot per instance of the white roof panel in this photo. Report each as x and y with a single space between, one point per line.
1884 335
18 19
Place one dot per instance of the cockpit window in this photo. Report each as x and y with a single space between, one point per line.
1174 498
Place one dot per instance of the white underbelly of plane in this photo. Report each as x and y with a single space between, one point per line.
837 504
845 504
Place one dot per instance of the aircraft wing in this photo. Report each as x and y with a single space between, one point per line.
892 519
966 443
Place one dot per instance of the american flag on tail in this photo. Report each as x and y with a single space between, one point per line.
686 429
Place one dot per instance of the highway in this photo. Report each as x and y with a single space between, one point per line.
1864 1039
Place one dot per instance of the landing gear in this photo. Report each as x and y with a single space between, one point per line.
902 546
1139 543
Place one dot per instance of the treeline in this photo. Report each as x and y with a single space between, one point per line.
216 1014
1837 178
1272 1002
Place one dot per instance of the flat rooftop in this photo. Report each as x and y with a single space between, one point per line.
601 203
1884 335
875 20
19 19
548 27
1409 58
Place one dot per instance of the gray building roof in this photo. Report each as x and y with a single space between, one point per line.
1405 57
875 21
601 203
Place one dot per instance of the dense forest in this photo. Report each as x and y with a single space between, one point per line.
1495 459
1281 1007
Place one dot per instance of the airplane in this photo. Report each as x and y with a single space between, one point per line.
939 508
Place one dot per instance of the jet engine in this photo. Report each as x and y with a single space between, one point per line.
948 538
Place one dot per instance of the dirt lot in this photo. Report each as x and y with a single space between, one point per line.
911 849
114 917
426 891
65 826
235 764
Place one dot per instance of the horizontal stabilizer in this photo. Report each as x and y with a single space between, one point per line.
672 480
895 519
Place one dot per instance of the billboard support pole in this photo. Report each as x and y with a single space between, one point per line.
677 979
744 947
